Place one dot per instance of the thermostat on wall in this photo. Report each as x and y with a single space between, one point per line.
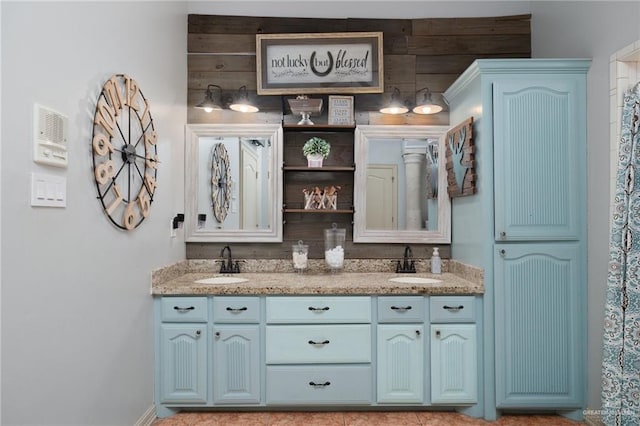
49 137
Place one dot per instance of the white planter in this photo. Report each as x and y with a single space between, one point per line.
314 160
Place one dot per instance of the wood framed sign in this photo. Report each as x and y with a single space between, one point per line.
341 110
307 63
461 170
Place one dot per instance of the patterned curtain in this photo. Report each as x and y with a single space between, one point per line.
621 356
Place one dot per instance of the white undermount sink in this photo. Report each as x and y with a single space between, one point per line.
222 280
414 280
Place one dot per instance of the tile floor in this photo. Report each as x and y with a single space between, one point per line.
352 418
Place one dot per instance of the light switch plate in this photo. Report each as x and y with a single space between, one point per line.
48 190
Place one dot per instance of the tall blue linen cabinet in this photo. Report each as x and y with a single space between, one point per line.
526 227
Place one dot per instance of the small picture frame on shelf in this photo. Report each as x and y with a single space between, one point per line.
341 110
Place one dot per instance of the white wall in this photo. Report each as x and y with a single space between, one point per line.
591 30
380 9
77 337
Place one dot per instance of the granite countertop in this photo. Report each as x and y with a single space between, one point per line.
291 283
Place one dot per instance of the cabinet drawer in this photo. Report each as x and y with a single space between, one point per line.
184 309
342 385
452 309
319 344
236 309
332 309
401 309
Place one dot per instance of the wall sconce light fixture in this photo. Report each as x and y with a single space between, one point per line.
395 106
426 105
242 102
209 103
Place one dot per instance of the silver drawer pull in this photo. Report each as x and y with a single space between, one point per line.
324 342
179 309
311 308
319 385
244 308
401 308
453 308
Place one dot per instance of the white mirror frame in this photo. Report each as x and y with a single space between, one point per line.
361 234
193 133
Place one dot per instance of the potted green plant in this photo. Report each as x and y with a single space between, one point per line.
316 149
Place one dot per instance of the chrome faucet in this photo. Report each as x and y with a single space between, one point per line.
228 267
408 265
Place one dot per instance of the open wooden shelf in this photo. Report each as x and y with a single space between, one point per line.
319 169
316 211
317 127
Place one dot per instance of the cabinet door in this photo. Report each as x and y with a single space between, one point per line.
539 159
540 318
236 364
400 363
454 369
183 363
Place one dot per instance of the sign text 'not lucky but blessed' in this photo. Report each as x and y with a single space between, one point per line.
319 63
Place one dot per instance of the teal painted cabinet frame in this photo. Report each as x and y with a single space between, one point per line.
530 139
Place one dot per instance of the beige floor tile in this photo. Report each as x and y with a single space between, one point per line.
233 419
367 418
306 419
535 420
435 418
354 418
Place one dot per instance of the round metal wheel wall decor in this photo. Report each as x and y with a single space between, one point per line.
125 155
220 181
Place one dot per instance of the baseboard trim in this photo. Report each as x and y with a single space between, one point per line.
148 417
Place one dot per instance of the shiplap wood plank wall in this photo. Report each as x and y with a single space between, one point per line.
418 53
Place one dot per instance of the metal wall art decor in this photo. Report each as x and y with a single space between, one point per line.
461 172
432 170
220 181
319 63
125 155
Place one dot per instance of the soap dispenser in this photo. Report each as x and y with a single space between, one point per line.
436 263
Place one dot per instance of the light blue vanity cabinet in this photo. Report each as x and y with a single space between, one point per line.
318 350
219 351
400 349
182 352
454 370
539 344
236 350
526 227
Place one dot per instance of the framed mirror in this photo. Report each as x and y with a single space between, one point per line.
401 185
233 183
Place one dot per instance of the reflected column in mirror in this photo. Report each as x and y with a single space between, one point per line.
397 175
